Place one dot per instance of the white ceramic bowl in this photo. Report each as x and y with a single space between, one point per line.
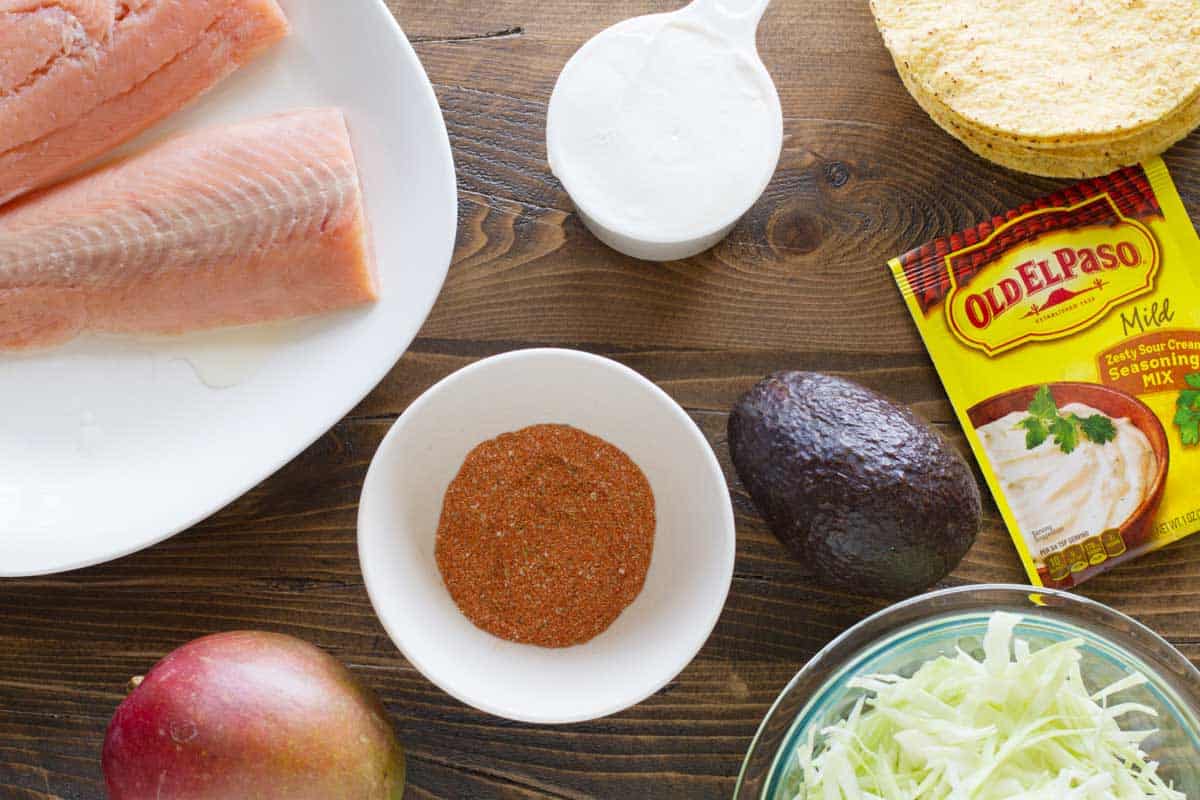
690 571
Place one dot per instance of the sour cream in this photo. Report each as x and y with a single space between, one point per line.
1056 495
664 129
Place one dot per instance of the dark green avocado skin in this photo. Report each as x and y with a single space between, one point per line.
859 488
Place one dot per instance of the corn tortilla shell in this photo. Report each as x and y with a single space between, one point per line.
1057 71
1069 161
1168 130
1051 163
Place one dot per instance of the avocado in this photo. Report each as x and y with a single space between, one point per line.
859 488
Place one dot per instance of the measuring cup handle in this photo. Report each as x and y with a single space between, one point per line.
737 18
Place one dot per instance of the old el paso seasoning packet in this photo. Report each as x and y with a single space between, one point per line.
1067 335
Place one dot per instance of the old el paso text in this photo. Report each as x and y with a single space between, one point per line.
1036 276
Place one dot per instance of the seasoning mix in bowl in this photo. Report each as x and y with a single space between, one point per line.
1057 447
547 536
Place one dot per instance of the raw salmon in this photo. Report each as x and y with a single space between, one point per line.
79 77
251 222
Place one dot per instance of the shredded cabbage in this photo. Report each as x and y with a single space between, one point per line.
1018 725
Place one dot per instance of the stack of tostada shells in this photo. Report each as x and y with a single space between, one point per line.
1065 88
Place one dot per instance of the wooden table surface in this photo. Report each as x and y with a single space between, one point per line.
800 283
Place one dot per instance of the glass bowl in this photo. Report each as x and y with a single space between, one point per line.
901 638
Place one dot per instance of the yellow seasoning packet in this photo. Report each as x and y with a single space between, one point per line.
1067 335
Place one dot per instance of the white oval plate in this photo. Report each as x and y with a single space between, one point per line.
110 445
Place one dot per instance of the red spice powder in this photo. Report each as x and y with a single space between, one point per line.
546 535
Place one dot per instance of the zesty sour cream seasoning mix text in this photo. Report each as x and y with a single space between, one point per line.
1067 334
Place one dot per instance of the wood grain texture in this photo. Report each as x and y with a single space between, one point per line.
799 284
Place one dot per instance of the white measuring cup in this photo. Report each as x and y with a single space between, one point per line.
629 111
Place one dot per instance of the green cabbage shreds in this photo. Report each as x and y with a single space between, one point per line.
1018 725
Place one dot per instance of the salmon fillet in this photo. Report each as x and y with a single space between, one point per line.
34 33
79 77
257 221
